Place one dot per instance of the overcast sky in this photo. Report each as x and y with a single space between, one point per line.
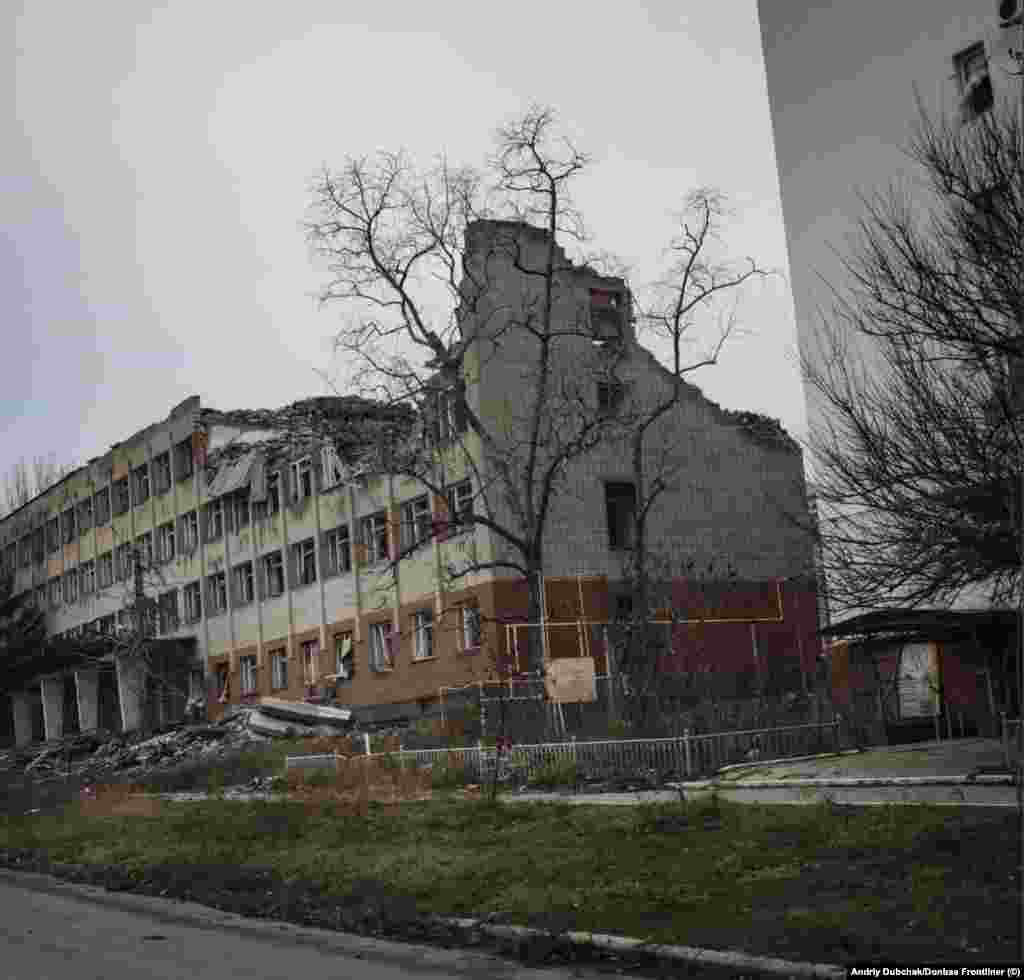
157 158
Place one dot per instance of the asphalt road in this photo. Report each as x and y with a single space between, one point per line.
53 930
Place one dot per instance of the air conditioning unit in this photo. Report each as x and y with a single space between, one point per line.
1011 13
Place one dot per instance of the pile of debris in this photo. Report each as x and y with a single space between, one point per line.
98 753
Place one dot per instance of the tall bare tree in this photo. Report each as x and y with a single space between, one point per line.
917 448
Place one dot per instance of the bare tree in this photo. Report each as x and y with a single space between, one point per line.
918 446
428 314
25 481
696 286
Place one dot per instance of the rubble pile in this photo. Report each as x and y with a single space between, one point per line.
95 754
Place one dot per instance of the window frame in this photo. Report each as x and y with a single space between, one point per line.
342 674
417 526
164 532
464 623
265 564
309 655
248 674
85 515
87 578
105 570
101 507
121 496
168 612
188 531
142 487
53 538
423 634
279 659
373 534
333 540
619 538
216 594
302 480
163 475
123 562
243 581
192 596
213 520
381 651
304 562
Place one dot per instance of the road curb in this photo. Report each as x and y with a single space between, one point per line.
786 759
982 780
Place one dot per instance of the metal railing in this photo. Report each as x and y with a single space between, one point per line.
686 757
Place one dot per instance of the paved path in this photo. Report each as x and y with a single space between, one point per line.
53 930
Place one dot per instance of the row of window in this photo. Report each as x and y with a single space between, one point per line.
232 514
381 652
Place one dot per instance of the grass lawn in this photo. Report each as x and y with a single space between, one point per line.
816 882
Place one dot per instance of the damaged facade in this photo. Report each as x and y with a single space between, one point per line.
268 558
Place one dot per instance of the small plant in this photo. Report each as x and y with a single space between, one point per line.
215 782
556 772
618 728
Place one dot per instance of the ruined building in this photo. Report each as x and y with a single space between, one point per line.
266 558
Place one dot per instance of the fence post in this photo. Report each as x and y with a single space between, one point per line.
686 752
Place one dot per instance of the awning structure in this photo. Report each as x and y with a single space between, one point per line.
234 475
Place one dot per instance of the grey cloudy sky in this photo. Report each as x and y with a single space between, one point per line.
157 160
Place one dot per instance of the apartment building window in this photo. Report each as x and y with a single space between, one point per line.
273 574
55 590
610 395
122 496
165 542
606 315
375 536
310 661
188 532
459 499
105 570
242 583
25 552
10 556
337 551
302 480
105 624
40 599
214 520
344 658
53 535
167 608
38 545
237 505
423 633
381 657
974 81
332 468
303 562
70 582
193 602
415 523
87 576
183 467
273 503
162 473
85 515
620 509
216 594
247 669
122 562
140 478
279 670
67 525
144 547
101 506
471 633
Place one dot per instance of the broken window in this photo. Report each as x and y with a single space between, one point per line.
303 562
620 507
165 541
344 658
415 523
279 669
140 479
974 81
247 669
310 661
423 631
105 570
337 551
471 635
242 582
606 315
214 520
302 480
67 525
375 537
273 574
188 536
85 515
122 562
610 395
162 473
216 594
193 603
459 499
87 578
380 647
101 506
53 535
122 496
183 465
167 609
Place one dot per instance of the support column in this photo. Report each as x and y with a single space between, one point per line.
87 690
131 691
21 707
53 706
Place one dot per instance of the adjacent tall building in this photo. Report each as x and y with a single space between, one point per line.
269 561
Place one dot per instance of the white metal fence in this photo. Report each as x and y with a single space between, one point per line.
686 757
